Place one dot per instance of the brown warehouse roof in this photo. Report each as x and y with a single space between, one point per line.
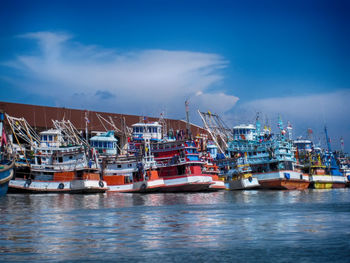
40 117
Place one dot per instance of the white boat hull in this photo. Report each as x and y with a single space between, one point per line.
75 186
187 183
244 184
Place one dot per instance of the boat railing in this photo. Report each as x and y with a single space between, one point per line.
60 166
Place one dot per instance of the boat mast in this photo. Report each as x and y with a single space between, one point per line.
86 127
327 139
187 118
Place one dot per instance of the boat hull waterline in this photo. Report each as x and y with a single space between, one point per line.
71 187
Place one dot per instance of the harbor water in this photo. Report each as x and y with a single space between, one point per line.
242 226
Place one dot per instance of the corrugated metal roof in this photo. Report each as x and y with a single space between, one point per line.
40 117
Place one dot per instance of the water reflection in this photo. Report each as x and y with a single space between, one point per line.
129 226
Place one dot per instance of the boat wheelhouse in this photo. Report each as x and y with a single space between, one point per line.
104 143
152 130
303 146
212 149
244 132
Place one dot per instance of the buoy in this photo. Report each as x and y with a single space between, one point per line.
101 184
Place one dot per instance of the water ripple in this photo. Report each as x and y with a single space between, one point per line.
248 226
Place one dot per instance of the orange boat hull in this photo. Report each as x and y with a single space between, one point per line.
284 184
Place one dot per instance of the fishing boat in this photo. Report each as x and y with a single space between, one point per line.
338 178
58 167
126 173
318 177
178 160
180 167
240 177
271 158
7 162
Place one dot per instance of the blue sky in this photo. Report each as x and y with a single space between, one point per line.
235 58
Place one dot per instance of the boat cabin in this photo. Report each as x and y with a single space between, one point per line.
151 130
244 132
51 138
212 149
105 143
303 145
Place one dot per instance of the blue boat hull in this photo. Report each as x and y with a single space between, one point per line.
5 176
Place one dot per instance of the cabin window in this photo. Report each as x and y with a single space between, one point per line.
110 145
70 157
50 138
60 159
104 144
129 165
44 137
100 144
149 129
119 166
141 129
136 129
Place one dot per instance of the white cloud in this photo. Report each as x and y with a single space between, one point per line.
139 82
